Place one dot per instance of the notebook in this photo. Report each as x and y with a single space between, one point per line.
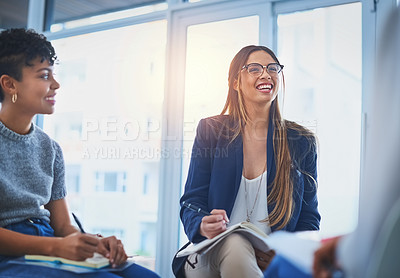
257 238
96 262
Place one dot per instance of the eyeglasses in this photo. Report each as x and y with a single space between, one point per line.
257 70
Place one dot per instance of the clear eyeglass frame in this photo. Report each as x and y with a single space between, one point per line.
256 70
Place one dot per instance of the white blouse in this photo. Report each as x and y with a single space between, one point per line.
242 207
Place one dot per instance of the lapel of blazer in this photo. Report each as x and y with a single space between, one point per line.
271 166
271 169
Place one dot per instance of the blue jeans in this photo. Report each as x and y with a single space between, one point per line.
40 227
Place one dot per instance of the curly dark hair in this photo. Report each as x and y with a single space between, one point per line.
18 48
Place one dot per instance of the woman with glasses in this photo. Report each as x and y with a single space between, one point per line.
248 164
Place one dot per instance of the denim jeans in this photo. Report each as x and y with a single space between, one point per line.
40 227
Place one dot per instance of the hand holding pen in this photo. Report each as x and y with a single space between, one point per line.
213 223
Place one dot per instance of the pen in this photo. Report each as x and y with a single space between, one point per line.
195 208
78 223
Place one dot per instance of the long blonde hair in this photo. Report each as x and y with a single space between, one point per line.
281 195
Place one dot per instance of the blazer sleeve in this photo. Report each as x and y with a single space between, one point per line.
198 182
309 218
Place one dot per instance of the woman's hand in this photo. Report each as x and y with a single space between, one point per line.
76 246
324 258
264 259
214 224
113 249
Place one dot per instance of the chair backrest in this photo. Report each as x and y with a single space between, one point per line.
385 259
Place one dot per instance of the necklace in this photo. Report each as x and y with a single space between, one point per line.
246 196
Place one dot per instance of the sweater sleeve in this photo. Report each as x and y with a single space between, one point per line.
58 190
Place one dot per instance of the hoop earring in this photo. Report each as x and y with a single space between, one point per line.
14 98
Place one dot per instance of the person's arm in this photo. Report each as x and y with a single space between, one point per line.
68 243
59 218
17 244
75 246
197 226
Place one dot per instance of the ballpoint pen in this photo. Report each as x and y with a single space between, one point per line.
195 208
78 223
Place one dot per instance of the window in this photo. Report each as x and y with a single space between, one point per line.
119 233
110 181
72 178
147 239
321 51
108 123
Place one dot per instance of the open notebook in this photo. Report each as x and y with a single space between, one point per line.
257 238
88 266
97 261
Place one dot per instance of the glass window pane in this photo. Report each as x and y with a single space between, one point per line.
321 51
108 123
210 49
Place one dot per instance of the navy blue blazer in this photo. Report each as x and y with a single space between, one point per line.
216 168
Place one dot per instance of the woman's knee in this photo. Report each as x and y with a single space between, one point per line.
238 246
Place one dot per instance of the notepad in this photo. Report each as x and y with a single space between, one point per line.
257 238
95 262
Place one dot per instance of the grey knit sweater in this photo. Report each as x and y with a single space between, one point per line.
31 174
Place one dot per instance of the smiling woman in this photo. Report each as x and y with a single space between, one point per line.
26 78
34 218
267 175
37 90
